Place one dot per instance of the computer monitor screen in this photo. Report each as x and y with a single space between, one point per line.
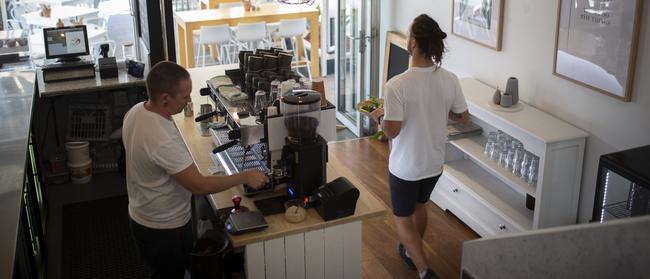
66 42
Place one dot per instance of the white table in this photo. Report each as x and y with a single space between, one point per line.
59 12
44 2
113 7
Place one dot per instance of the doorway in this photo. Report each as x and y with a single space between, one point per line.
357 49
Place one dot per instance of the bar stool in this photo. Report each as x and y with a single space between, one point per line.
212 36
251 35
294 29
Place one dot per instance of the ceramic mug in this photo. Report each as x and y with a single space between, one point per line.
506 100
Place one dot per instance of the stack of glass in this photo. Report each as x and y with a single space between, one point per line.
510 154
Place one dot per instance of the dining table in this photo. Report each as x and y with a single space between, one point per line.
64 13
188 21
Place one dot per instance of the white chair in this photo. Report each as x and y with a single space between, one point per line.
216 36
294 29
251 35
14 24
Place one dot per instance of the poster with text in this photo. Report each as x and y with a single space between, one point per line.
596 44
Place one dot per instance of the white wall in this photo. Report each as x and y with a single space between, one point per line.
528 46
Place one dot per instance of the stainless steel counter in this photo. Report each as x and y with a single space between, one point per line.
16 97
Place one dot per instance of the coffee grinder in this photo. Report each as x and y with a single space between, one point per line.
304 154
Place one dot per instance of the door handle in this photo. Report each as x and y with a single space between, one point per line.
360 37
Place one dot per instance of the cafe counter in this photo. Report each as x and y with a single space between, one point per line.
313 248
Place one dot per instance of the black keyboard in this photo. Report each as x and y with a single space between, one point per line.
60 65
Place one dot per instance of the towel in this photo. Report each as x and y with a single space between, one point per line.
219 81
232 93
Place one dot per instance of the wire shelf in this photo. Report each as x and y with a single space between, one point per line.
618 210
88 122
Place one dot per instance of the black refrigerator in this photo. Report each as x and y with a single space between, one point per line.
623 185
154 27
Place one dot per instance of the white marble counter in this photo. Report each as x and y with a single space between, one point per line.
123 80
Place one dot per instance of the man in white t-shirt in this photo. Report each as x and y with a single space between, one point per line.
417 105
161 175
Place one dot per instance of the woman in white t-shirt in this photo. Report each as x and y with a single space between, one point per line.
417 105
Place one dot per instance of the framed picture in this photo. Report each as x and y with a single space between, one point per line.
596 44
480 21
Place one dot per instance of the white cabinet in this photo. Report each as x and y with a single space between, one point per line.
491 200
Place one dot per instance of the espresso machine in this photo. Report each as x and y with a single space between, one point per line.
287 139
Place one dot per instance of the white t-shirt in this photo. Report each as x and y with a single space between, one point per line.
154 151
421 99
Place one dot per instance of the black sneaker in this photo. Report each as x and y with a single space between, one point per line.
407 260
430 274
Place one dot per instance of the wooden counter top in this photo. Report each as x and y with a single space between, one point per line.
368 206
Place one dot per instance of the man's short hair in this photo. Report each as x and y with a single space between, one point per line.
165 77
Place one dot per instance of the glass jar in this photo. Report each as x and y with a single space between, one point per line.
128 51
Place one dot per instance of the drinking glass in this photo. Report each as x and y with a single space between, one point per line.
274 93
532 171
128 51
305 83
525 165
489 145
517 158
503 154
510 158
260 101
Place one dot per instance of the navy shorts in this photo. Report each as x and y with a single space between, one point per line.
405 194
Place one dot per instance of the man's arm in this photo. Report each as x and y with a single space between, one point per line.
198 183
391 128
462 117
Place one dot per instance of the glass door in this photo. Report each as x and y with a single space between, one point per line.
356 49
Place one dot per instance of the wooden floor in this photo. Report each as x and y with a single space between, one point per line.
445 233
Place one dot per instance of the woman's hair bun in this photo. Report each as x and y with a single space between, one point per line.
443 35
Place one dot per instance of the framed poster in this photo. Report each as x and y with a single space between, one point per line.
480 21
396 56
596 43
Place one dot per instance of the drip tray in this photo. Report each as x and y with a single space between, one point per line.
271 206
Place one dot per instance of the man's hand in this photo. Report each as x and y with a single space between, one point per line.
375 114
255 178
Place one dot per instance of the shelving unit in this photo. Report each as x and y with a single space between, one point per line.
492 192
473 147
489 198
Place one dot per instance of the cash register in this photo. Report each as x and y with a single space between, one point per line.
67 45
